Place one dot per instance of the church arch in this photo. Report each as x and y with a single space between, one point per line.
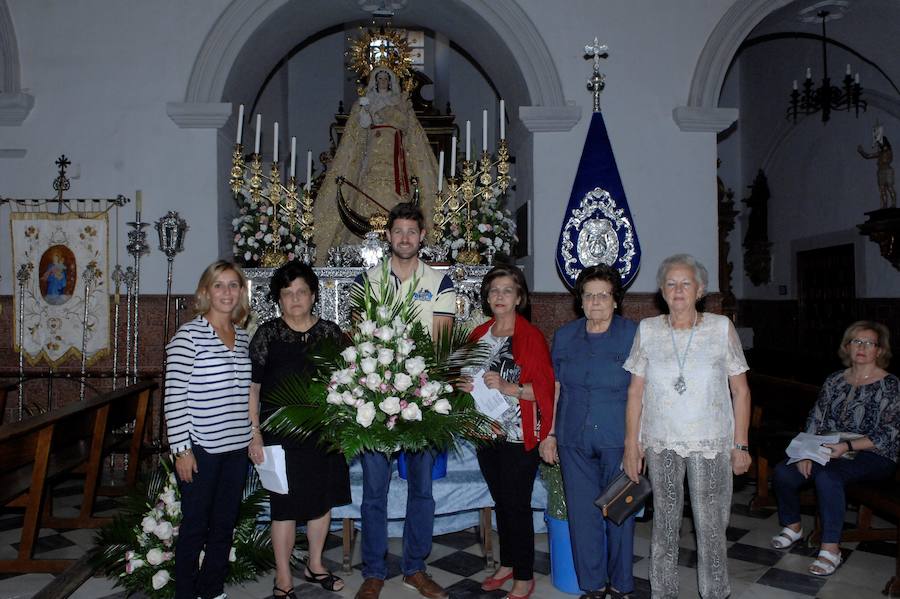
10 70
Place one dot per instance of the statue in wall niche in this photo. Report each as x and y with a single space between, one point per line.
884 155
383 148
757 248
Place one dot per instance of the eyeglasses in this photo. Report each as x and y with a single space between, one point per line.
603 296
295 295
866 343
493 291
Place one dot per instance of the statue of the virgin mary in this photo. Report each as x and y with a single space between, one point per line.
382 148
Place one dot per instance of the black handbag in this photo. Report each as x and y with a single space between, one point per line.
622 498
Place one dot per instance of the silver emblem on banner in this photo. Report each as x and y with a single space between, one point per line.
593 233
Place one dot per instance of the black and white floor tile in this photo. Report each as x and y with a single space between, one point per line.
756 570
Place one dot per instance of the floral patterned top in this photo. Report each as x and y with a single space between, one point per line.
702 418
501 361
871 410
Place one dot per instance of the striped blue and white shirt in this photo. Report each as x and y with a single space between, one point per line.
207 389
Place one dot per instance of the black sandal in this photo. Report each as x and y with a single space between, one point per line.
326 579
288 593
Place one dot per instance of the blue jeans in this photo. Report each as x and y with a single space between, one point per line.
603 551
419 524
830 481
209 508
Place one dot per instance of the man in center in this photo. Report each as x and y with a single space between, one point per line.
435 298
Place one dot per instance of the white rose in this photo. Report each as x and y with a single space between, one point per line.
367 327
348 398
411 412
373 381
365 414
173 509
368 365
232 555
168 497
415 366
343 377
405 346
431 389
164 531
133 565
441 406
367 348
155 557
385 356
385 333
402 382
349 354
334 398
160 579
383 312
148 524
390 405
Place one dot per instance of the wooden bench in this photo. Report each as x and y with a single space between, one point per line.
73 439
780 409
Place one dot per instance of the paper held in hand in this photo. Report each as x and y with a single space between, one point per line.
809 447
273 471
489 402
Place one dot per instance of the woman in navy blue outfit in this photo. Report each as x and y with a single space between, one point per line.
588 439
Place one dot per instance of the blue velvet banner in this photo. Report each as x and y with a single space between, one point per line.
597 226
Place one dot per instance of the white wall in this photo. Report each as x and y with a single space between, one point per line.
102 72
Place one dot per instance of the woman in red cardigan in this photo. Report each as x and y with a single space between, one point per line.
519 367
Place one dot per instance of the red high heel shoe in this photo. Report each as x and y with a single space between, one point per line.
526 595
492 584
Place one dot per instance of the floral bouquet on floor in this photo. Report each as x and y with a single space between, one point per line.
138 548
392 388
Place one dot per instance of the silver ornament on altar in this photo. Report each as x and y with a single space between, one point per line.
598 231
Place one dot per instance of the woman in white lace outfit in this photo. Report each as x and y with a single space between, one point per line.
688 412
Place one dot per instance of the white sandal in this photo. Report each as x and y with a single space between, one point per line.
828 565
786 538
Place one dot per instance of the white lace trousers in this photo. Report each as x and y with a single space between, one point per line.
709 483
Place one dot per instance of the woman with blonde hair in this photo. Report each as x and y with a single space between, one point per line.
208 422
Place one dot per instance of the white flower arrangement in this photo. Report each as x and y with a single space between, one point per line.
494 230
252 229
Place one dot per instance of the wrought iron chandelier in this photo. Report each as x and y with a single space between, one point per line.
826 97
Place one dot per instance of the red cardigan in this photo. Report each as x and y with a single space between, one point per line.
530 351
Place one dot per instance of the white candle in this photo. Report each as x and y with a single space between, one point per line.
240 132
275 144
795 84
856 79
502 119
808 73
484 131
258 130
453 157
441 171
293 157
848 68
138 196
468 140
308 169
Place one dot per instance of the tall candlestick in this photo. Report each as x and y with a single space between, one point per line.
293 156
275 144
453 157
440 171
502 119
258 131
308 169
484 130
138 196
240 132
468 140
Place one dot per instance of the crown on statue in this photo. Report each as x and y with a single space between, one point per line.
383 47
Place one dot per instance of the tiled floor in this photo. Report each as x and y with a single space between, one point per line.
756 571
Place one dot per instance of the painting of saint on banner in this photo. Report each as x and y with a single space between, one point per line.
60 248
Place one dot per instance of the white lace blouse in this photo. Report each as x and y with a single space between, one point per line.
702 418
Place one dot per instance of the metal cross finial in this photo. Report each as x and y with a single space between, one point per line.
597 81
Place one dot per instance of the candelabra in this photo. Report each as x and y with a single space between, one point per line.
90 276
23 276
826 97
454 206
137 247
291 207
118 276
128 279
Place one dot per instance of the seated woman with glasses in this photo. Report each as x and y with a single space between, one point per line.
861 403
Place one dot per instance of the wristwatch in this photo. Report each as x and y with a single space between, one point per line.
742 447
181 453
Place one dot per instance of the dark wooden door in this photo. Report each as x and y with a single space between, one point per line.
826 289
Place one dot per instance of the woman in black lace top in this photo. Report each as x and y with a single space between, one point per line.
317 480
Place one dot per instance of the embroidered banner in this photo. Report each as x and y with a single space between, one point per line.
60 247
597 226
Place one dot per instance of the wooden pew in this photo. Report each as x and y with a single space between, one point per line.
73 439
780 409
